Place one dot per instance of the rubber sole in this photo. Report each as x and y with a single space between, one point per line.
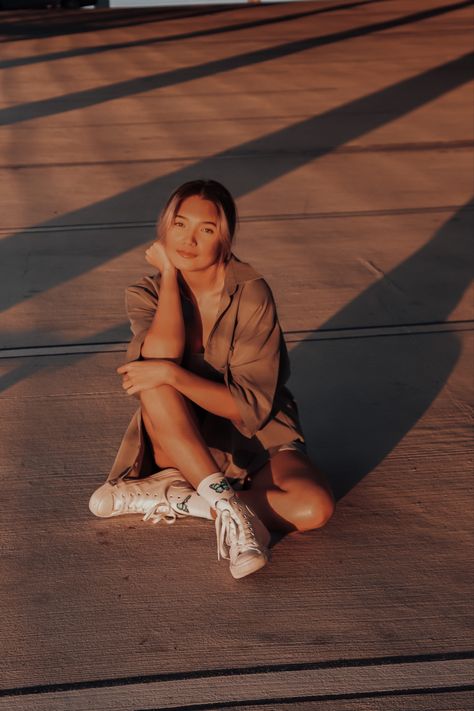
251 566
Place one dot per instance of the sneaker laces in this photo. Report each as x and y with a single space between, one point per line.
130 498
234 530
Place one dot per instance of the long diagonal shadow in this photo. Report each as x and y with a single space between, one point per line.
332 128
100 49
29 366
91 97
78 22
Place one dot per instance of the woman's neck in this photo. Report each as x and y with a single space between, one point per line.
206 282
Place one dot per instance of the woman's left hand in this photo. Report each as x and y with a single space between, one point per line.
141 375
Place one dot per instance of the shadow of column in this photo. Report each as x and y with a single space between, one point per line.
289 149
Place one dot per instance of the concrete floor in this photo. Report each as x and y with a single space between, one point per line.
345 131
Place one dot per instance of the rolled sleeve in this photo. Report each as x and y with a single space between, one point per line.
253 370
140 302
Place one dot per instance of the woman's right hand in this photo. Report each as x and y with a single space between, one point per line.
157 256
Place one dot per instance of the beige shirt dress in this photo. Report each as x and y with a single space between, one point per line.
246 351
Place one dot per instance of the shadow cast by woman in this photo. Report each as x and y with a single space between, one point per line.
359 396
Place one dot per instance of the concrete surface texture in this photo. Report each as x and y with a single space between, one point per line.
345 131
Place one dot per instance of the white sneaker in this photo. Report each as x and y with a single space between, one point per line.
241 537
140 496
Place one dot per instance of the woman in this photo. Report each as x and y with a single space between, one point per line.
208 364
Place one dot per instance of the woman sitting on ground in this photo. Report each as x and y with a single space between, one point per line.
217 433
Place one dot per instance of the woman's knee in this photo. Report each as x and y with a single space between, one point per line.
157 400
165 408
313 508
308 489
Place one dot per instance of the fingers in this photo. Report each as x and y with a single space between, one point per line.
136 376
130 387
128 383
127 367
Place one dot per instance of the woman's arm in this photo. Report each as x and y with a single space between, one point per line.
166 336
211 396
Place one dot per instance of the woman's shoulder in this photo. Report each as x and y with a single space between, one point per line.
256 293
256 301
149 283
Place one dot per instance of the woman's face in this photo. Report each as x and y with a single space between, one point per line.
192 242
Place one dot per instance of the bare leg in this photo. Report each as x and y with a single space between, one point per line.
174 432
290 494
266 503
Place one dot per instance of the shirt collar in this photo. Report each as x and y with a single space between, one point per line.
238 272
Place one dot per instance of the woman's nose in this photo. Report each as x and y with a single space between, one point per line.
190 237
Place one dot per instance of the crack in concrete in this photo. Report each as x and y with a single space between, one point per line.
380 274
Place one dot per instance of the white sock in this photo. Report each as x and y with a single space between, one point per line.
214 488
182 500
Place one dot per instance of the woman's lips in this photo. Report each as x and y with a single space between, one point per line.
186 255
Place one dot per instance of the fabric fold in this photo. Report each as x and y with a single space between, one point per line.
253 371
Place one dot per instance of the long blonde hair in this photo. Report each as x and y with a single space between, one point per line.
216 193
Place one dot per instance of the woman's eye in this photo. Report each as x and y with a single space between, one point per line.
178 223
209 230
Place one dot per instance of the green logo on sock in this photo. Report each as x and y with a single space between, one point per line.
220 487
182 505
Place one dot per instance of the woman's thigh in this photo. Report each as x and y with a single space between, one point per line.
289 469
295 488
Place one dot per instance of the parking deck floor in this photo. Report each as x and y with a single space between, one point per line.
344 130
